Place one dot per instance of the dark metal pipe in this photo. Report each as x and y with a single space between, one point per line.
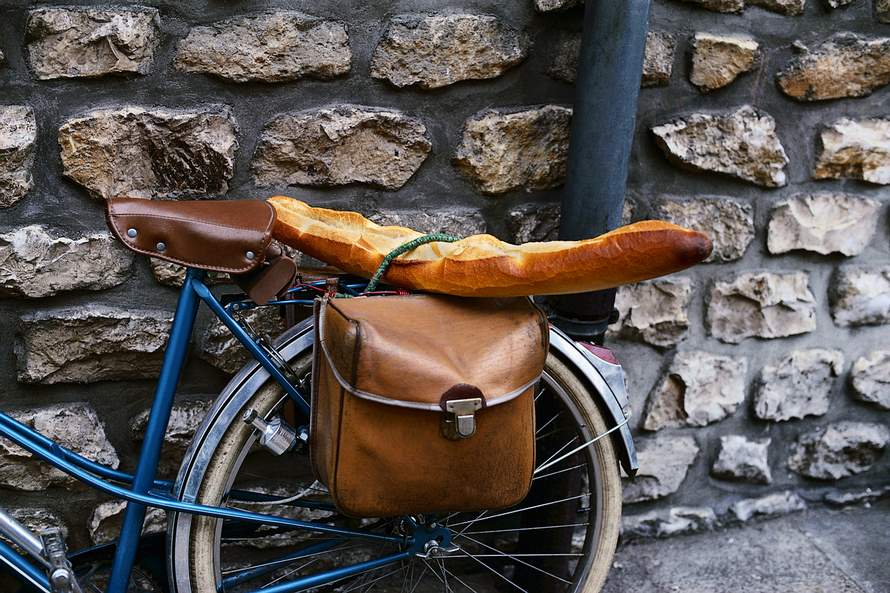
610 68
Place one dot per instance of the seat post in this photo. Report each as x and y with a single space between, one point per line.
174 360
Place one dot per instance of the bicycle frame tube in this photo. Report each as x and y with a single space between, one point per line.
143 485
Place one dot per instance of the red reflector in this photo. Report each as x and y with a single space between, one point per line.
600 352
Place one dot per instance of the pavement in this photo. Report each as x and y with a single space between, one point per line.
816 551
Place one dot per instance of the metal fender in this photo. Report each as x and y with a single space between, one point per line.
606 382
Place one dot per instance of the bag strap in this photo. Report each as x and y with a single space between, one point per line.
404 248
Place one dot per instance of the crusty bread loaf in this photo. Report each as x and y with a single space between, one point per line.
482 265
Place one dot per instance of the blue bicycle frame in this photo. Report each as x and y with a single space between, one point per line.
142 490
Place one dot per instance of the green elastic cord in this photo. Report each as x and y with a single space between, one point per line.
405 248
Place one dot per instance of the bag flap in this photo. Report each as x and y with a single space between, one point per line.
418 351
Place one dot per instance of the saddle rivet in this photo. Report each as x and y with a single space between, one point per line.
161 246
250 255
132 233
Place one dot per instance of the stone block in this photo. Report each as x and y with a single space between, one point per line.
437 50
855 149
503 151
272 46
729 223
150 153
339 146
870 377
798 385
18 133
664 461
74 426
839 450
743 460
846 65
34 263
741 144
92 343
717 60
221 349
82 42
860 295
823 223
655 312
763 305
699 388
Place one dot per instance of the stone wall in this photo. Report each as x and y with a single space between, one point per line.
760 380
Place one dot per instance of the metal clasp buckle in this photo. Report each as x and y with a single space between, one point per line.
459 421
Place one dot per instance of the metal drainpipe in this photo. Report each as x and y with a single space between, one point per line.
610 68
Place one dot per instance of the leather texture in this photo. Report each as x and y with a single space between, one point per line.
225 236
383 369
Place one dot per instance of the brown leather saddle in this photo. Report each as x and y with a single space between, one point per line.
233 236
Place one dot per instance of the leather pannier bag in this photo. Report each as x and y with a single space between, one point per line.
425 403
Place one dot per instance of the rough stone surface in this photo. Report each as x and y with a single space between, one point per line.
341 145
170 274
150 153
729 223
503 151
861 296
75 426
221 349
699 388
763 305
658 63
655 312
667 522
532 223
741 144
855 149
798 385
839 450
771 505
786 7
460 222
551 5
851 497
34 263
75 42
870 377
92 343
38 520
658 60
106 520
664 461
743 459
271 47
289 539
846 65
720 5
882 10
824 223
18 132
433 51
185 418
717 60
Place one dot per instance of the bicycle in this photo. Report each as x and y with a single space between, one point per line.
245 514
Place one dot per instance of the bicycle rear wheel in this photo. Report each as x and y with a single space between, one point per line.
560 539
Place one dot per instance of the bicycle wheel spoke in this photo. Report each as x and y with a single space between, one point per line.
559 471
548 423
493 571
517 558
550 463
524 529
536 506
560 450
458 579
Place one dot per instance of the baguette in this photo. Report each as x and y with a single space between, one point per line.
482 265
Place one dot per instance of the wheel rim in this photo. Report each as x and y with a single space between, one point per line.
592 528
